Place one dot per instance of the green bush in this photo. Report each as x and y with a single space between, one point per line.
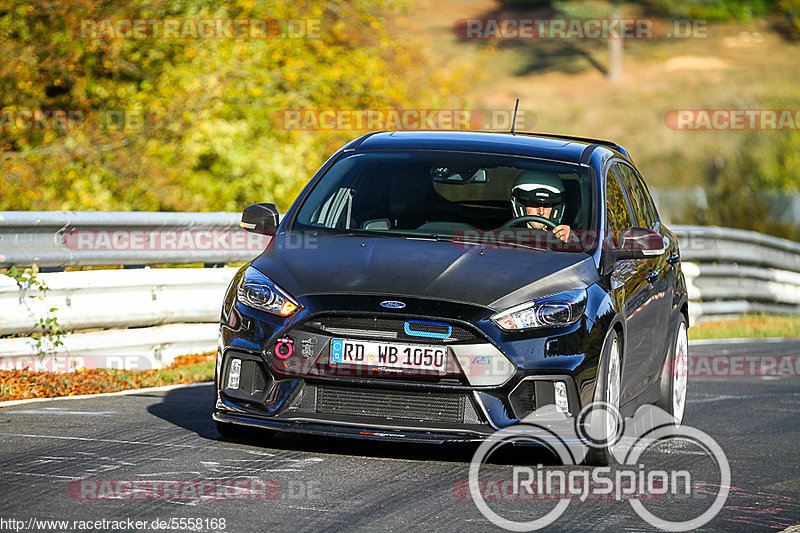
740 191
722 10
791 10
526 4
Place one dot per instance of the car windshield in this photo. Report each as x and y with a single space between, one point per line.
440 194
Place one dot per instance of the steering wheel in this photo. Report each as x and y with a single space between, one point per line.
528 218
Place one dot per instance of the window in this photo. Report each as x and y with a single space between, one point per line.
436 193
640 203
619 218
650 202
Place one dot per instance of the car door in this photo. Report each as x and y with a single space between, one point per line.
629 283
652 302
663 279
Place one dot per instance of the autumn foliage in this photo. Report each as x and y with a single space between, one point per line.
24 384
185 124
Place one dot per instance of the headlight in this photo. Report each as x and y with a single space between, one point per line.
557 310
259 292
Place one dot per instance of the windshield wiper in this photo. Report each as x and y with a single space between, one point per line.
477 243
498 244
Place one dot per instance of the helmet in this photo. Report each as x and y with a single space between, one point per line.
535 189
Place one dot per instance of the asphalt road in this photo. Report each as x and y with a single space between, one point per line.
63 460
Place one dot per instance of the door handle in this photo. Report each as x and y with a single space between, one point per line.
653 276
673 259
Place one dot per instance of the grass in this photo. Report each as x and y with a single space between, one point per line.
747 326
24 384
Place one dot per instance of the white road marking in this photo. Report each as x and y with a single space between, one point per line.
178 502
55 411
267 454
741 397
223 470
71 478
268 460
115 441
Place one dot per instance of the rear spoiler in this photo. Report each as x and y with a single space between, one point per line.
601 142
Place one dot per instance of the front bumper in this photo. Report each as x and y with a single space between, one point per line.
389 411
513 376
360 429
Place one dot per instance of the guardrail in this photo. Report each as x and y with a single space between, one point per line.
732 271
58 239
728 271
115 298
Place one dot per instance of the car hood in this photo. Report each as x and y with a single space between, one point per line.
307 264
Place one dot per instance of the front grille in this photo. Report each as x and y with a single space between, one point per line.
412 330
527 396
388 404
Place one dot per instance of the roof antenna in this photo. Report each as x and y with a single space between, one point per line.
514 120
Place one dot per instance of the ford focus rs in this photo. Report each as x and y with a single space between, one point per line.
438 286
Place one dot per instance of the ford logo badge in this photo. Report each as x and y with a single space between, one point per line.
392 304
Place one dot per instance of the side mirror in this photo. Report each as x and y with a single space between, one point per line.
639 243
260 218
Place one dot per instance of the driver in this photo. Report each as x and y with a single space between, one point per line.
540 194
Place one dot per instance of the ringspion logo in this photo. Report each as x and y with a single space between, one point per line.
642 477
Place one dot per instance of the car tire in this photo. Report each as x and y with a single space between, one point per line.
606 421
674 378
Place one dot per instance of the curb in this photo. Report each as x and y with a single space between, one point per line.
125 392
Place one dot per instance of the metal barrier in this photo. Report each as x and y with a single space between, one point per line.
115 298
728 271
732 271
57 239
167 312
711 244
130 349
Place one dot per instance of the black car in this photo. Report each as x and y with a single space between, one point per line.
438 286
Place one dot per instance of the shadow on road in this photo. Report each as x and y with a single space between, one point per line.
190 408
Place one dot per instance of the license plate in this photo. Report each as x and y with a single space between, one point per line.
388 355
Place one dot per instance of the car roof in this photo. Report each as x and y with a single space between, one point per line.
541 145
